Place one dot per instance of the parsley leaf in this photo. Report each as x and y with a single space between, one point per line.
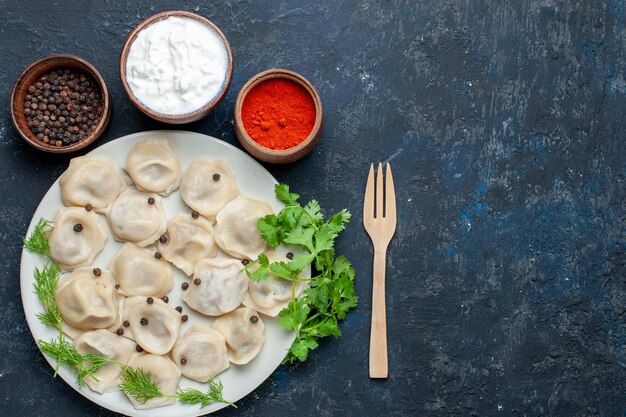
330 295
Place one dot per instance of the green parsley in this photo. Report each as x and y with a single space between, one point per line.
330 294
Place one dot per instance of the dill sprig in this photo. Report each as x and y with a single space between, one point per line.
139 384
84 365
194 396
38 240
46 281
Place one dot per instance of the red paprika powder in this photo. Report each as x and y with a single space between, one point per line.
278 113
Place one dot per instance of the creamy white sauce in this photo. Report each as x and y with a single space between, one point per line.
176 65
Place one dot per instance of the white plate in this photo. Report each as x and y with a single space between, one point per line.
254 181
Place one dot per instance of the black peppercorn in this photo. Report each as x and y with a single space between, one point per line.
195 214
216 177
143 321
179 309
184 286
254 319
138 348
163 239
126 323
289 255
150 200
197 281
157 255
184 317
97 272
78 227
57 98
119 331
149 300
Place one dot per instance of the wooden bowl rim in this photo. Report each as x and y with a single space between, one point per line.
175 118
39 67
290 75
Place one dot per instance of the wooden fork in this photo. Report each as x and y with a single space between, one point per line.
380 224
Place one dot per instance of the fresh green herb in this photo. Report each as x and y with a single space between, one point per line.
46 281
194 396
139 384
330 294
38 240
84 365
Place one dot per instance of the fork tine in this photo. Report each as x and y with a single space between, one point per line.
379 191
390 196
368 201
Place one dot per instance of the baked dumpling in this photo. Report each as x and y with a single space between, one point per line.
164 372
154 324
207 186
137 217
104 343
154 166
219 286
77 237
91 180
236 230
273 294
138 272
187 241
201 353
244 332
87 300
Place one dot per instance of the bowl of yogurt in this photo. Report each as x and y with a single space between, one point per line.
176 66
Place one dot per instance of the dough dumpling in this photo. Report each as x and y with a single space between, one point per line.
90 180
164 372
244 332
154 324
204 353
207 186
104 343
222 288
154 166
137 217
87 301
77 237
138 272
236 231
188 241
271 295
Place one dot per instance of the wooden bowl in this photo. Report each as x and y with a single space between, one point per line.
36 70
270 155
175 118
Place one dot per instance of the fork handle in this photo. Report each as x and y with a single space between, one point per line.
378 336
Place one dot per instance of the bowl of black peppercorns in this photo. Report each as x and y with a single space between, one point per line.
60 104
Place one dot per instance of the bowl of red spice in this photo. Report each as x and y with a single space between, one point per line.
278 116
60 103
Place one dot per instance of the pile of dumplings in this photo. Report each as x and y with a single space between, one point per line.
123 311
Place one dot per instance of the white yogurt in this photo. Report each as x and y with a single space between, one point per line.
176 65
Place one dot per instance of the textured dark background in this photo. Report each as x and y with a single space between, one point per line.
504 122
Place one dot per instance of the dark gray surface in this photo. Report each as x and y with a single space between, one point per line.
503 121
